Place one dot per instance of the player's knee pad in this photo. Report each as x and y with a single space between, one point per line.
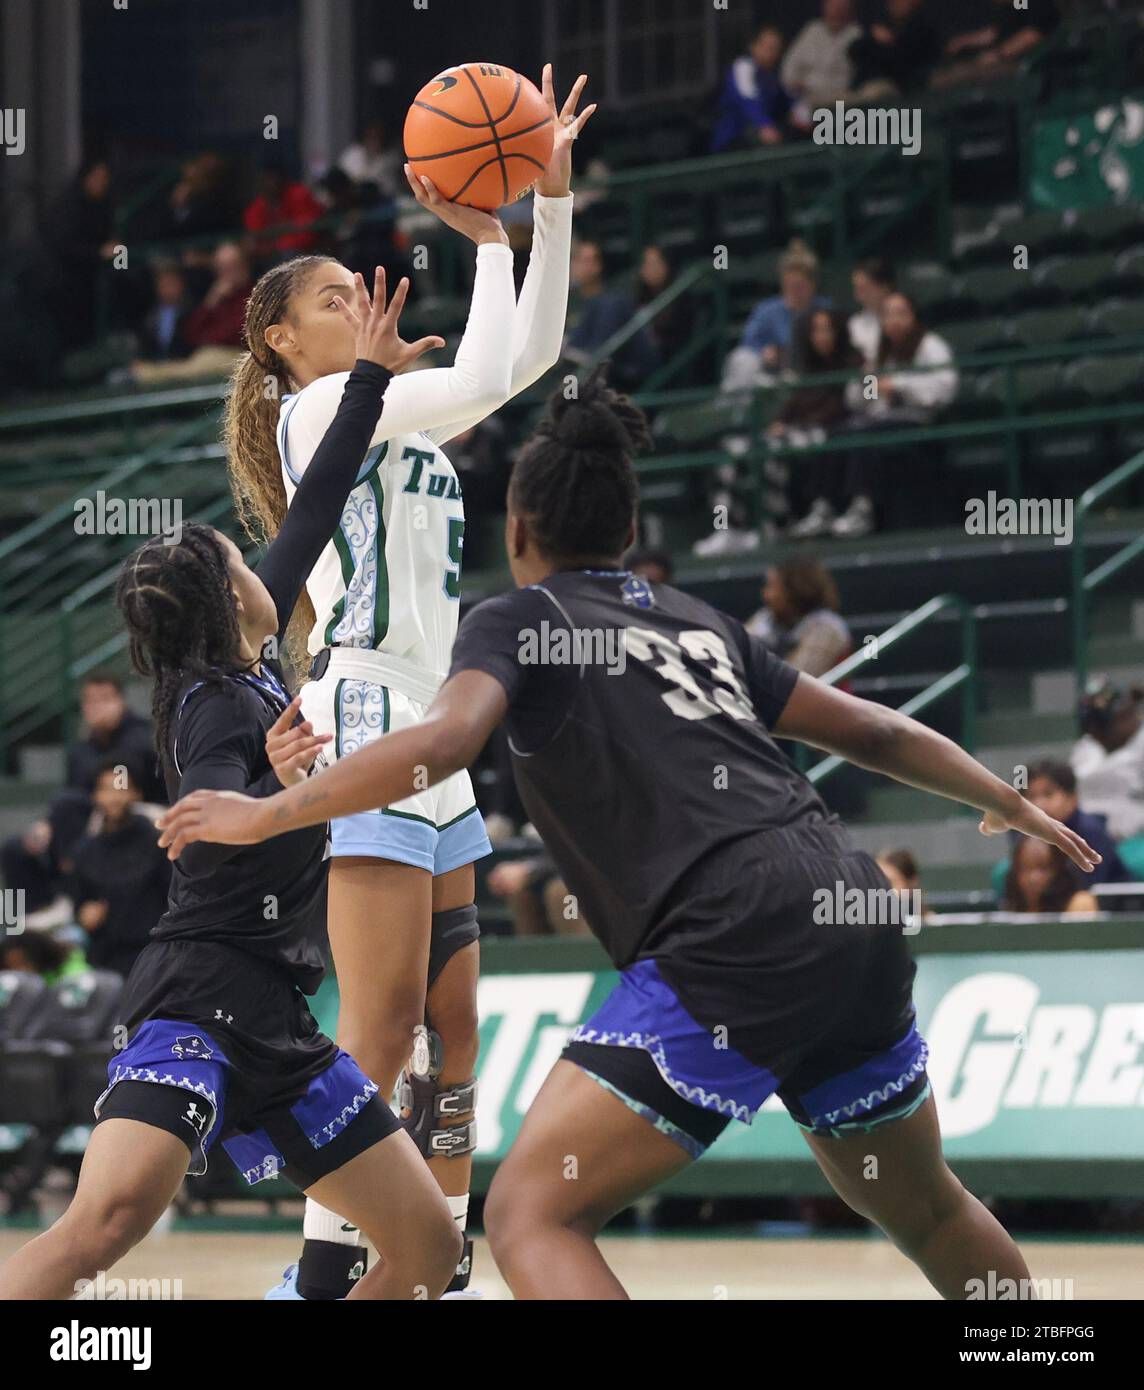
450 932
427 1106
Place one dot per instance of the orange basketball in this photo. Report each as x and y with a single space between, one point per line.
481 132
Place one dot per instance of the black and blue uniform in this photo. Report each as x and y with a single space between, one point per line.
222 1046
639 722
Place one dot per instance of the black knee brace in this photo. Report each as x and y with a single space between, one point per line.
451 932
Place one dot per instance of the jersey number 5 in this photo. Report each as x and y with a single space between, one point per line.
689 700
453 569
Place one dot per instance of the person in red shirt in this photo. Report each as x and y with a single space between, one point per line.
212 330
282 201
217 321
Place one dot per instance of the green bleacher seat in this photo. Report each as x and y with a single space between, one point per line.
1119 317
611 224
746 217
1043 327
1039 386
1114 227
933 289
689 426
978 335
981 396
994 290
1045 233
1108 378
1128 277
1073 279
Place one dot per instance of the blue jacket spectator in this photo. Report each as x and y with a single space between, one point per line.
1052 787
765 347
753 103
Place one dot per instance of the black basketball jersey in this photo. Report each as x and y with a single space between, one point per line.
639 726
269 899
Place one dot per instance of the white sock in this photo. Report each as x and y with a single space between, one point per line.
459 1206
322 1224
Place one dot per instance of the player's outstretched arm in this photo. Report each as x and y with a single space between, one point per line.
538 321
883 740
467 709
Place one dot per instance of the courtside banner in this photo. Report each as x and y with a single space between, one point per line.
1031 1055
1036 1039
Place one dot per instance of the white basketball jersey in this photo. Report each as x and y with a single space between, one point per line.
390 579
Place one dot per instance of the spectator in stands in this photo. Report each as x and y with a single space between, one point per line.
282 202
1053 787
41 953
212 330
372 159
896 55
656 566
809 414
764 350
799 620
765 347
599 314
1108 759
1040 880
905 347
40 860
901 868
362 234
78 236
873 281
121 875
671 328
202 203
752 103
162 337
999 46
537 897
113 732
218 320
915 378
817 69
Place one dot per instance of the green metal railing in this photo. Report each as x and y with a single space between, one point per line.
962 677
1085 585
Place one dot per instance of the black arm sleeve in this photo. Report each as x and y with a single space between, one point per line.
770 680
313 515
218 750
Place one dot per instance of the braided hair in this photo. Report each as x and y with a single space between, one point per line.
181 618
250 421
573 480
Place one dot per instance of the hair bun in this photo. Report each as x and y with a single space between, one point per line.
589 427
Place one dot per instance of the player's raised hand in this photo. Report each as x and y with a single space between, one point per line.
478 226
1032 821
290 747
556 181
375 324
224 818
